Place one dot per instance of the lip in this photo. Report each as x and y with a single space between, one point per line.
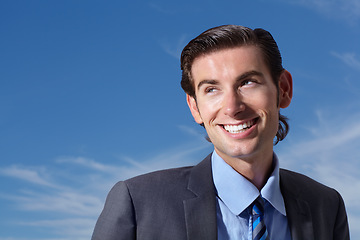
255 119
243 134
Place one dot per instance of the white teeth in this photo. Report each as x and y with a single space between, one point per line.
238 128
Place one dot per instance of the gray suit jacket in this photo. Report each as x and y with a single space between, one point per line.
180 203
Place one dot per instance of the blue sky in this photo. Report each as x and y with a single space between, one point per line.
90 94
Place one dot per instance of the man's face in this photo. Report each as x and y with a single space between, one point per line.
236 100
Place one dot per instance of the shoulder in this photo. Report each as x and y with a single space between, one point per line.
324 204
156 186
174 178
303 187
300 182
160 178
296 179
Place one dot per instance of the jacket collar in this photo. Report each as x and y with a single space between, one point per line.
200 211
297 210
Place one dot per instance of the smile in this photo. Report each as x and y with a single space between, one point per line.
239 128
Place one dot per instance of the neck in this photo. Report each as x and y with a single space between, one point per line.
256 169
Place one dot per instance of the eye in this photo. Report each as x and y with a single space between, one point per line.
210 89
248 82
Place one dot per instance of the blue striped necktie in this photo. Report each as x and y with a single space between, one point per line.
259 228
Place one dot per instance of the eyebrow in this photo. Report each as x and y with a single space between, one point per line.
210 82
249 74
238 79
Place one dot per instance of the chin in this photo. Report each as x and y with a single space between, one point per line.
239 153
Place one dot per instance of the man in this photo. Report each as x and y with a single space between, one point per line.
235 86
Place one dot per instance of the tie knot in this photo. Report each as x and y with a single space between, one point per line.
258 207
258 223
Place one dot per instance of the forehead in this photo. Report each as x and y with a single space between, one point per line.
228 61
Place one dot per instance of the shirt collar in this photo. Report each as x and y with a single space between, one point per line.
238 193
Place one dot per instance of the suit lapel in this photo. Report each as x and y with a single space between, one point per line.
200 211
297 210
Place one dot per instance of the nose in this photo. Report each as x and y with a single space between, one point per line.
233 104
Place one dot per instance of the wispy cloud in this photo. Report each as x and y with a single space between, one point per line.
68 196
174 47
71 202
331 137
78 228
30 175
348 10
349 59
88 163
329 154
73 189
196 132
161 8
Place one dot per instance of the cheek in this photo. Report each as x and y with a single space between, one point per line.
212 101
265 106
209 107
265 100
205 113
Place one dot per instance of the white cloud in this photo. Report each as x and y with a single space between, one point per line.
348 59
174 47
27 174
348 10
329 154
88 163
197 133
76 201
71 202
78 228
354 222
161 9
169 158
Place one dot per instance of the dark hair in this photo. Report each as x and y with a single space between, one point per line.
231 36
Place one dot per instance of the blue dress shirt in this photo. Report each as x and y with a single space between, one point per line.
234 197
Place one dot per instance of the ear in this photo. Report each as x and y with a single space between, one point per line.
285 89
194 109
